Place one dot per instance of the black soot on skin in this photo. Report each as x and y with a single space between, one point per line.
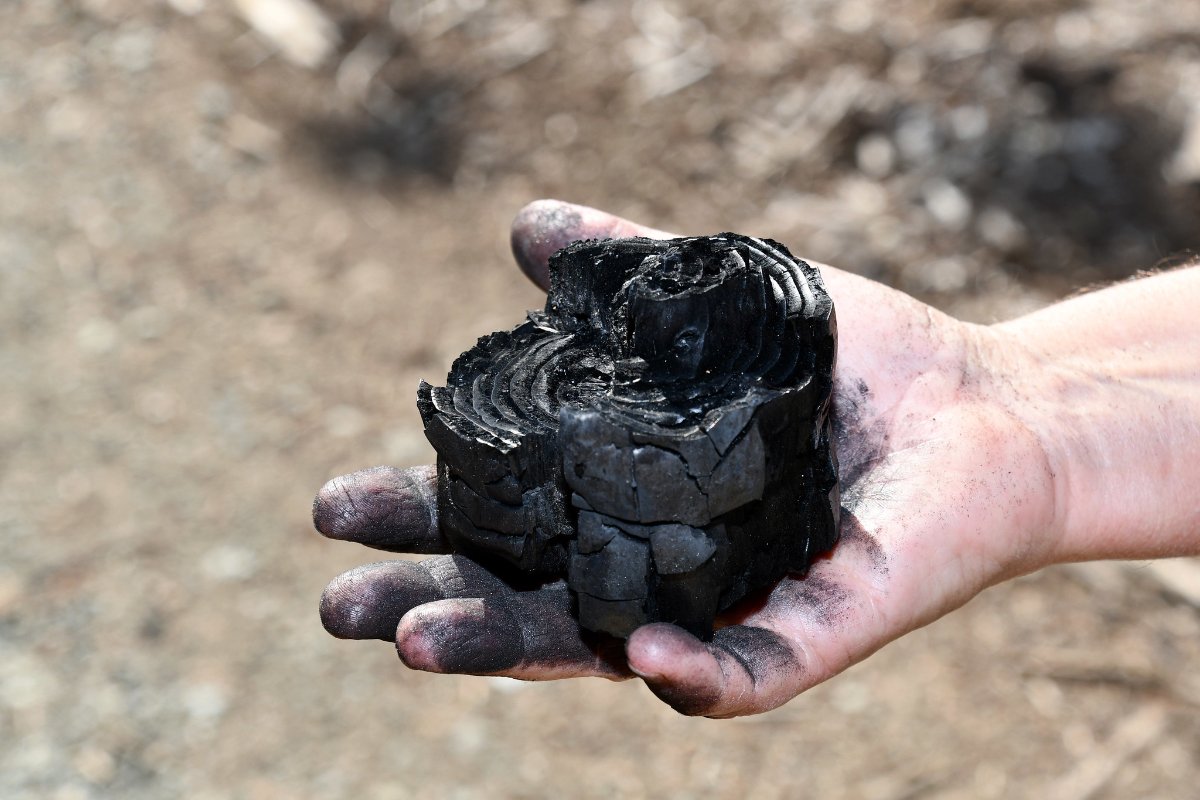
659 435
539 231
368 602
855 536
762 653
689 700
483 641
861 440
817 595
384 507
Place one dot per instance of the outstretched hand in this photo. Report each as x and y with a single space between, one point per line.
945 492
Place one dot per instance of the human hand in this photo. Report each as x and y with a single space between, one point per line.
945 491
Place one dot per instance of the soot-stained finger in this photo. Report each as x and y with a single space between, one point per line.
744 670
369 601
471 636
531 636
544 227
383 507
556 647
767 658
679 668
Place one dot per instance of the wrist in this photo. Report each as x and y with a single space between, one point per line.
1008 378
1037 393
1116 439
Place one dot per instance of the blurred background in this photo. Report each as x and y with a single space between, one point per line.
235 233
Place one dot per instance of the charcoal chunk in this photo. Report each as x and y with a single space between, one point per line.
616 617
659 435
617 572
679 549
594 532
654 468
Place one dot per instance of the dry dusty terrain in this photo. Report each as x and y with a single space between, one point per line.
226 260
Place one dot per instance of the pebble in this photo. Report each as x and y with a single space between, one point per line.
968 122
850 696
68 120
916 136
214 101
97 336
875 156
204 702
1000 229
11 590
26 682
188 8
948 204
95 765
147 322
229 562
300 29
561 129
132 49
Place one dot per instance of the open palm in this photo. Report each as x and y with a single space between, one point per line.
944 491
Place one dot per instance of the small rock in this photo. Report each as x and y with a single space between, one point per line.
132 49
561 129
147 322
947 203
68 119
963 39
95 765
11 590
943 275
1000 229
875 155
917 137
301 31
229 562
851 696
252 137
1184 165
189 8
26 682
969 122
205 701
214 101
97 336
156 405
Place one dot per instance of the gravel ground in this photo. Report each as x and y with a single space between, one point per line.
228 251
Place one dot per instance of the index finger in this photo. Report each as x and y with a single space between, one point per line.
383 507
544 227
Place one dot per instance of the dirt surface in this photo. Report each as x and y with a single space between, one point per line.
226 262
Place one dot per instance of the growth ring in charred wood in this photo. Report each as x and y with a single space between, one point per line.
658 435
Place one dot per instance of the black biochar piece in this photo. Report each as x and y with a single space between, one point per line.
659 435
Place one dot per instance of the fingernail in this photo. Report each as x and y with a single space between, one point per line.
645 675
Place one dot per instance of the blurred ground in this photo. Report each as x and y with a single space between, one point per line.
225 261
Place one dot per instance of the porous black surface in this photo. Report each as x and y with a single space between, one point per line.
659 435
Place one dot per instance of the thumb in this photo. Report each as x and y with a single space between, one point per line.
546 226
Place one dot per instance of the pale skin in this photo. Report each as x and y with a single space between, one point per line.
969 455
